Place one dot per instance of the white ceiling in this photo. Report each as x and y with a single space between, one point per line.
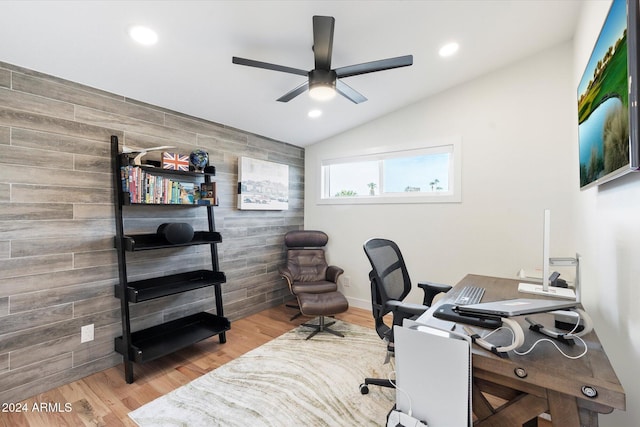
189 70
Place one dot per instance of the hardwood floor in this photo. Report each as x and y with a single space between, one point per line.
105 399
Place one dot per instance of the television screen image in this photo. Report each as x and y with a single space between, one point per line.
607 130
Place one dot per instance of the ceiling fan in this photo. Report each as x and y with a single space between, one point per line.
323 82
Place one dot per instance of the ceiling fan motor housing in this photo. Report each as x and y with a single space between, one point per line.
319 77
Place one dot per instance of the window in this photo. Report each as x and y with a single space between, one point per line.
420 175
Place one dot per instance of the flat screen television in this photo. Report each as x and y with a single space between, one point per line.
608 100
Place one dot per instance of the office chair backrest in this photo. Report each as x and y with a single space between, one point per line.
305 256
389 270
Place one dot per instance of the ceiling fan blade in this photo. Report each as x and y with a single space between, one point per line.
294 92
268 66
350 93
370 67
323 41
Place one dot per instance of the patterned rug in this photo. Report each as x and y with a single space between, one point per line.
287 382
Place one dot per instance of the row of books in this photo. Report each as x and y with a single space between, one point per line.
144 187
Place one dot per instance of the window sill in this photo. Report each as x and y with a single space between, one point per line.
374 200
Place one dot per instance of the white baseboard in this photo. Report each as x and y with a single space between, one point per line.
359 303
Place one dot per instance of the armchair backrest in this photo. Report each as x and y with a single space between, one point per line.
305 257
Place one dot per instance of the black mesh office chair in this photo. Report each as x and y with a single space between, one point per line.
390 284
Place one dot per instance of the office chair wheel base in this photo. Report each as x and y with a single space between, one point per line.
364 389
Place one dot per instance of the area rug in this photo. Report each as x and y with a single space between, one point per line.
289 381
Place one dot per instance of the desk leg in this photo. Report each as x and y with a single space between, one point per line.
481 407
517 412
564 410
588 418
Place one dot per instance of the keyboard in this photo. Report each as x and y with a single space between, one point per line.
469 295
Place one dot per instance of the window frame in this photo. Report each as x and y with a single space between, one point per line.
453 195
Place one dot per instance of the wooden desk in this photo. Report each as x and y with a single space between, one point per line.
553 383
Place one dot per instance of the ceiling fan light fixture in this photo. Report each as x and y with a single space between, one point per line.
322 84
322 92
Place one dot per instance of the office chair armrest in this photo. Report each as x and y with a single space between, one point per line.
333 273
406 307
431 290
286 274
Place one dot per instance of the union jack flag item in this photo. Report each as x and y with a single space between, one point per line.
175 161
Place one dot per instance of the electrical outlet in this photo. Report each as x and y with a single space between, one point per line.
86 333
346 281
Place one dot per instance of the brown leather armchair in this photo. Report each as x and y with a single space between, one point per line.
307 270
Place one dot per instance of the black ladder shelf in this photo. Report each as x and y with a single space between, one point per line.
157 341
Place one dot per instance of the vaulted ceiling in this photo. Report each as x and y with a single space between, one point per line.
189 69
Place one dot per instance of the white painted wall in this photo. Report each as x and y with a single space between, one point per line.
519 157
608 235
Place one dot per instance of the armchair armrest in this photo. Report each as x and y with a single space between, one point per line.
333 273
431 290
286 274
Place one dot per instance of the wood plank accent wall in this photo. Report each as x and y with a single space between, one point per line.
57 261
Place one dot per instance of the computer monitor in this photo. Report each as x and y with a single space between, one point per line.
546 234
546 289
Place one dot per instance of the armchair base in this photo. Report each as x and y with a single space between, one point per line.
297 307
321 327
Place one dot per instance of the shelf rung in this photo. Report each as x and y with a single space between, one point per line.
142 242
160 340
157 287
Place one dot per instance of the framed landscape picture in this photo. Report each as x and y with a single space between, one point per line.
262 185
607 100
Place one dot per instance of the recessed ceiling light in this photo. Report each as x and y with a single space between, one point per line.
314 113
449 49
143 35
